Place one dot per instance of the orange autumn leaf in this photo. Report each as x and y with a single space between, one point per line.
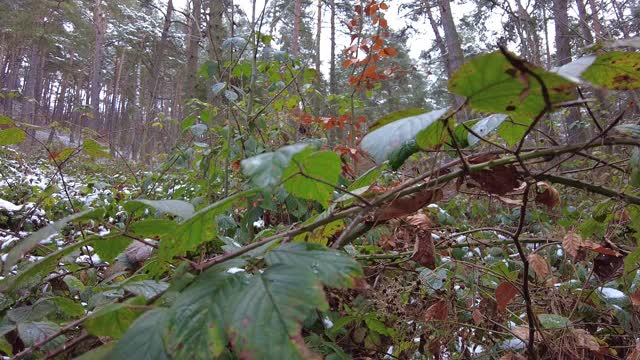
384 6
505 292
389 51
383 23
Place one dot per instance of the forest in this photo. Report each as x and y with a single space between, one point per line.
320 179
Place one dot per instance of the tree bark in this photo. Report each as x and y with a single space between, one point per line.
585 31
297 14
333 88
192 49
575 133
100 27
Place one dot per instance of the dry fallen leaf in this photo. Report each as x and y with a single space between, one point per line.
421 220
477 317
608 267
547 194
407 205
512 356
437 311
505 292
635 298
539 265
571 244
522 332
424 252
499 180
585 340
635 353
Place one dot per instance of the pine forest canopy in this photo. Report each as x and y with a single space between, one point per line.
307 179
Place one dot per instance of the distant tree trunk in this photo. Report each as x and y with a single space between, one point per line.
32 84
11 78
100 27
455 57
158 57
192 49
585 31
318 38
575 133
113 117
216 34
597 26
58 110
297 14
332 70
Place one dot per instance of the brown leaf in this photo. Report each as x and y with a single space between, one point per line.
635 354
437 311
421 220
547 194
505 292
522 332
498 180
635 298
512 356
539 265
409 204
585 340
387 242
602 249
477 316
571 244
608 267
509 201
424 252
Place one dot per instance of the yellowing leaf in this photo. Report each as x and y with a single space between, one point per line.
505 292
571 243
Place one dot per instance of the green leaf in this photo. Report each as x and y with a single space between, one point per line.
553 321
512 131
5 347
277 300
492 85
383 141
33 272
627 130
111 246
394 116
12 135
632 260
144 340
366 179
30 313
178 208
5 120
305 168
146 288
265 170
485 126
198 319
153 227
32 332
400 155
634 165
334 268
434 135
615 70
99 353
95 150
26 245
73 283
113 320
68 306
201 227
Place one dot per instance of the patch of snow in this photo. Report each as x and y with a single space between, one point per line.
234 270
611 293
327 322
9 206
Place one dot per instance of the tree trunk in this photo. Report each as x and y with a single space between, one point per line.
192 49
297 14
585 31
575 133
597 26
156 62
100 27
332 70
318 37
455 57
114 100
32 84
